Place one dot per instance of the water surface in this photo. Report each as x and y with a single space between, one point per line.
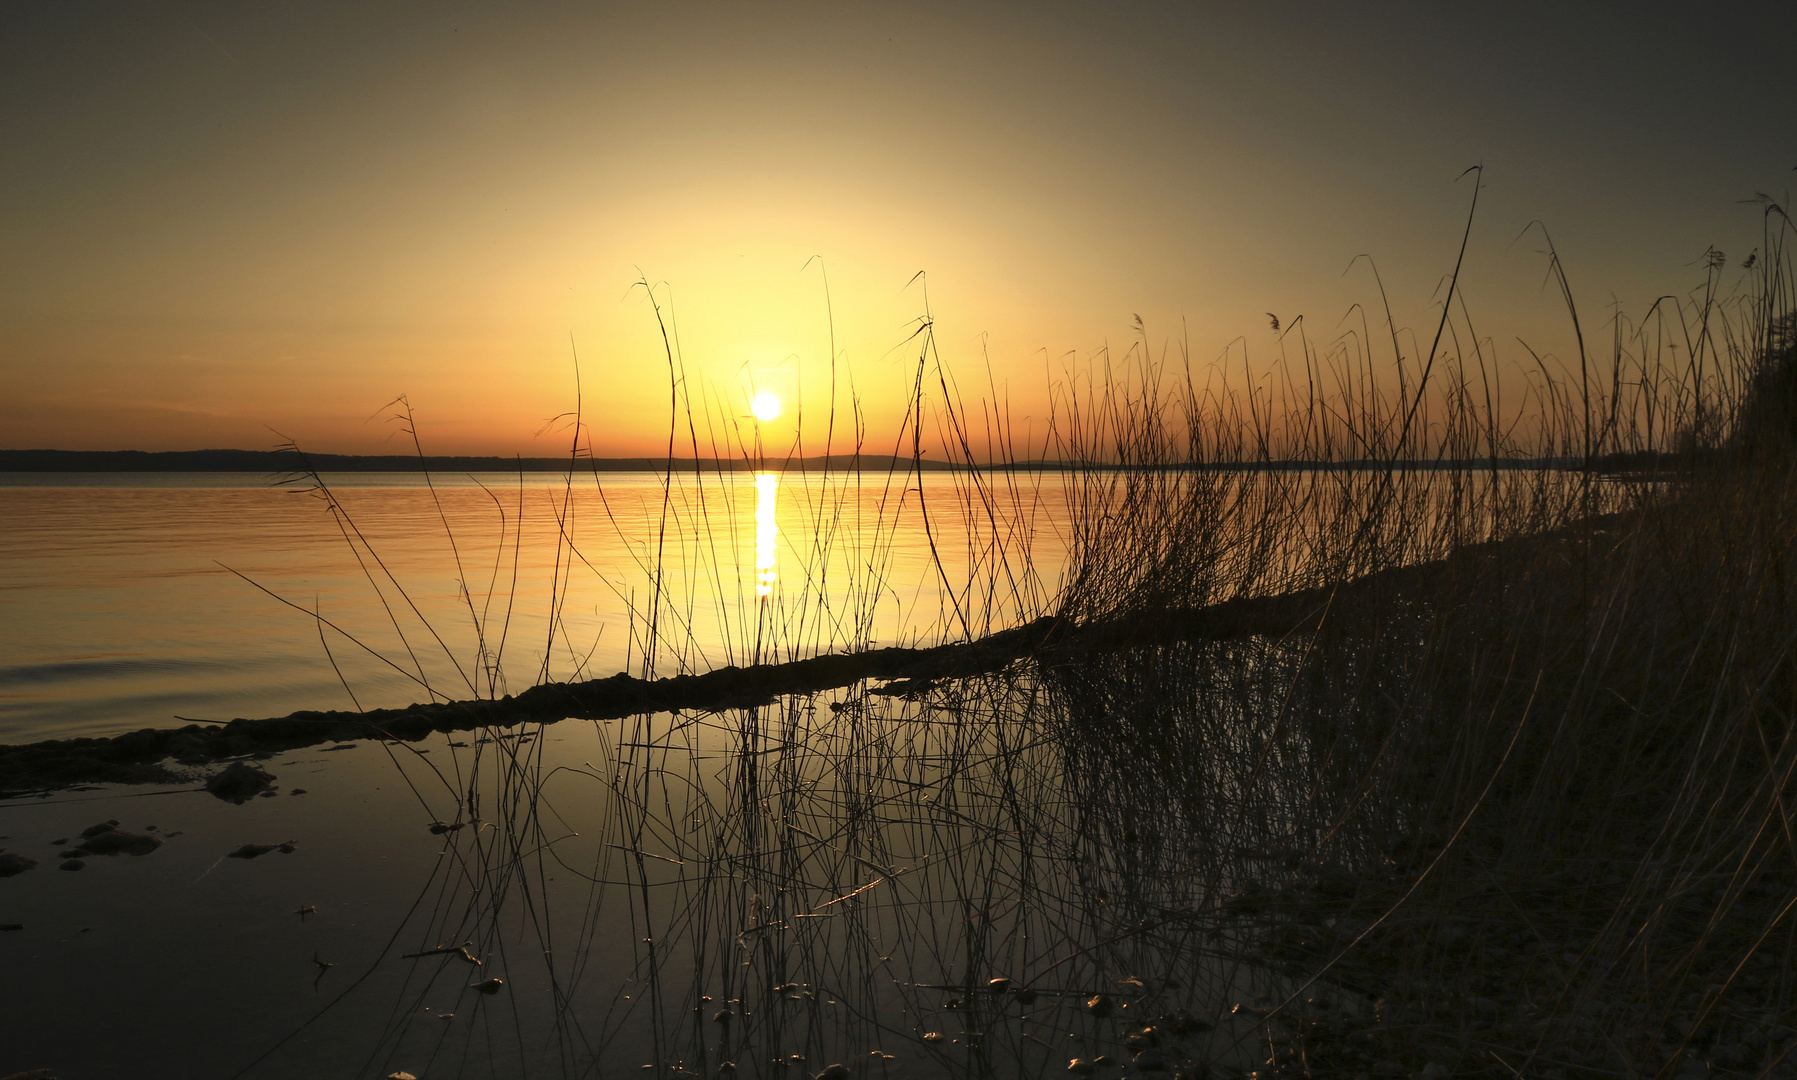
132 600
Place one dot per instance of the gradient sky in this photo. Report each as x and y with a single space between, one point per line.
222 219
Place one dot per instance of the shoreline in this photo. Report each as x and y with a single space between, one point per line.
136 757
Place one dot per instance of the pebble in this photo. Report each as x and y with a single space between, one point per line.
107 839
1150 1060
73 864
238 783
252 851
11 862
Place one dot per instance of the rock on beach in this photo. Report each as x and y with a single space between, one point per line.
11 862
252 851
109 839
240 782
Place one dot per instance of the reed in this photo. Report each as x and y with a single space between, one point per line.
1514 800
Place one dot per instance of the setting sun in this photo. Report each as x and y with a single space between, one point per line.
766 406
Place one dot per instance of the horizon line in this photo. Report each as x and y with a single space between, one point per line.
291 461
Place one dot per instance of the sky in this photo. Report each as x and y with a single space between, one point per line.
226 225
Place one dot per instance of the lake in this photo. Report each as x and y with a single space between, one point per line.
829 879
149 600
980 877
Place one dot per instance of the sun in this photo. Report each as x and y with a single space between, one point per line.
766 406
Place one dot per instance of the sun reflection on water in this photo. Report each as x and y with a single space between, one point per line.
767 487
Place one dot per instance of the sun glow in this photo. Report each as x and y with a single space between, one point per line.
766 406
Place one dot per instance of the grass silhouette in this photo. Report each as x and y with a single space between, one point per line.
1510 794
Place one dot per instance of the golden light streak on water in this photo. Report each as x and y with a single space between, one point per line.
767 533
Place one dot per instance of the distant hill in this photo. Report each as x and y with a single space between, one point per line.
277 461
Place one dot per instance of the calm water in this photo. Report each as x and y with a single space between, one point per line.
841 883
840 876
143 600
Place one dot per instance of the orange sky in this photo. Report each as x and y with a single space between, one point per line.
226 219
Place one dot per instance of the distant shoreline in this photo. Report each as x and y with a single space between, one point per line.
286 461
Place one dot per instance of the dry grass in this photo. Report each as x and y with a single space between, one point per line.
1528 815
